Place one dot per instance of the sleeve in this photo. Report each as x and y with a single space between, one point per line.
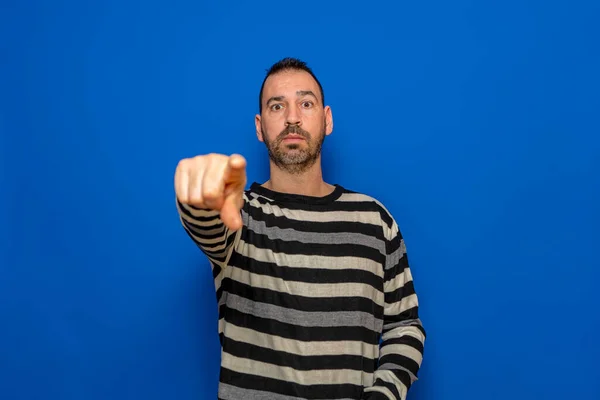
210 234
403 336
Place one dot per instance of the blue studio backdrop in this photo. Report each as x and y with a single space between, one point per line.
475 123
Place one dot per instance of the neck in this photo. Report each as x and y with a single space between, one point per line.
308 183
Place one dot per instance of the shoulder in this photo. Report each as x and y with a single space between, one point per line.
373 204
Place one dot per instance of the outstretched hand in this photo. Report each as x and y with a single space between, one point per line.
214 182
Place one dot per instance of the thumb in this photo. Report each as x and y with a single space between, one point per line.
230 212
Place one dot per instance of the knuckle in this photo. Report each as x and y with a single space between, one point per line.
181 165
210 194
195 199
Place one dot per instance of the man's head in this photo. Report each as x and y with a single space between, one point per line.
293 119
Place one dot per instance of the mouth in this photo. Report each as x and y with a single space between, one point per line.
293 138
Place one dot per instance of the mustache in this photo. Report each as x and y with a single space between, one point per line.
293 129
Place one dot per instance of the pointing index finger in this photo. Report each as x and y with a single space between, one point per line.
236 169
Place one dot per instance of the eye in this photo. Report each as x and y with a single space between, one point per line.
307 104
276 107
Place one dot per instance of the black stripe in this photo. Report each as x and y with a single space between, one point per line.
298 362
219 294
302 303
231 238
216 269
254 382
297 247
392 272
214 248
407 340
388 220
411 313
366 205
271 220
219 247
214 257
215 254
306 274
394 244
195 207
399 294
289 331
402 360
291 235
374 395
389 386
404 377
199 231
184 210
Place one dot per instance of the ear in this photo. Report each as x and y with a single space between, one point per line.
259 133
328 121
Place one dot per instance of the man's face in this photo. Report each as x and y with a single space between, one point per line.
293 123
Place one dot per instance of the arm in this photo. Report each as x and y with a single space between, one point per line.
210 195
403 336
206 228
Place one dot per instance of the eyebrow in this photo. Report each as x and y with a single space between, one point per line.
305 93
299 93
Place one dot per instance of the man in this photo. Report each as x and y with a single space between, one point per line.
311 278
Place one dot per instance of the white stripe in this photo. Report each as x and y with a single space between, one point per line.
403 349
298 347
403 305
406 330
396 283
366 217
389 377
308 261
356 197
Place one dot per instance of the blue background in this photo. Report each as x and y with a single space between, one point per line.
475 123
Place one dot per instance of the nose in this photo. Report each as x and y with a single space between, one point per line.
293 117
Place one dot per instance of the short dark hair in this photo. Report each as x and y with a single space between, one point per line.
287 64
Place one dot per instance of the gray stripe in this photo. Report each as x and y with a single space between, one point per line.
274 232
408 322
313 260
229 392
392 260
304 318
392 367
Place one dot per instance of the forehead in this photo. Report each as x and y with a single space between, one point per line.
287 83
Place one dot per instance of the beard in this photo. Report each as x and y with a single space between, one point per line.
294 158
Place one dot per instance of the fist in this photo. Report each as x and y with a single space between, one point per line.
214 182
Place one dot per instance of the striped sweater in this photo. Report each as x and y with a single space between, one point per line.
315 295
